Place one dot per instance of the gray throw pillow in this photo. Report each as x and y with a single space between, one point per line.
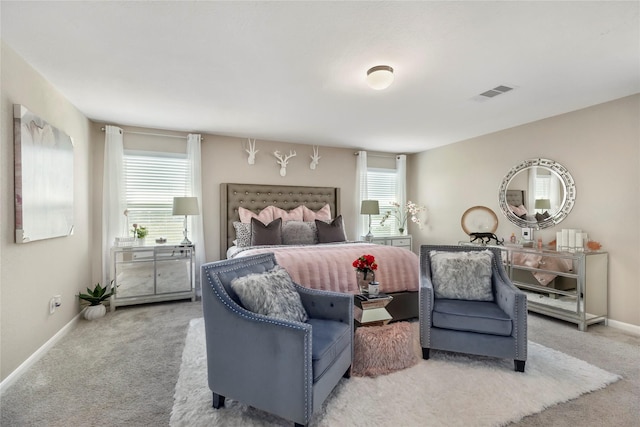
462 275
271 293
243 234
299 233
331 232
270 234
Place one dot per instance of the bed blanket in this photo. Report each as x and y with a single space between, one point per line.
329 266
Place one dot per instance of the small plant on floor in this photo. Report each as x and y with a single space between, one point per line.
97 295
95 298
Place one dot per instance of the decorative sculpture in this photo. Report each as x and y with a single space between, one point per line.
315 159
486 238
283 160
252 151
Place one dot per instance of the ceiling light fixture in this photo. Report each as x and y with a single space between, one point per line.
380 77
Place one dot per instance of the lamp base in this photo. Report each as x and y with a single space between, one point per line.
186 242
369 236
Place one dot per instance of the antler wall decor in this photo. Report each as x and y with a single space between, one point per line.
283 160
315 159
252 151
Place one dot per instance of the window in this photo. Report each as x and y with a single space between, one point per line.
381 185
152 180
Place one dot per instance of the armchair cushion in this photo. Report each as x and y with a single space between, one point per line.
462 275
474 316
329 339
271 293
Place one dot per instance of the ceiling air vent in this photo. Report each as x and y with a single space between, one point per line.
492 93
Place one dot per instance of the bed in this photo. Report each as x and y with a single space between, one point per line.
319 265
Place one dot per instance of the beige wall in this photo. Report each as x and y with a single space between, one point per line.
224 160
600 146
32 273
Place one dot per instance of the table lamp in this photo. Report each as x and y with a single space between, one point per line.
369 207
185 206
543 204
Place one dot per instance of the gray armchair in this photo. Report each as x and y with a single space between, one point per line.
495 328
283 367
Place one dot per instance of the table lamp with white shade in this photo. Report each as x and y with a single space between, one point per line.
185 206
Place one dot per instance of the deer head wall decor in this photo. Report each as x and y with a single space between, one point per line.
315 159
252 151
283 160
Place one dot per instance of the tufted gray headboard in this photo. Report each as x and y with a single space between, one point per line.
256 197
515 197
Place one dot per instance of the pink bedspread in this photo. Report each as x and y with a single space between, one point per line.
329 266
540 261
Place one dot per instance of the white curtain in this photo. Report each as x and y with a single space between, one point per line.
113 204
362 224
197 229
401 179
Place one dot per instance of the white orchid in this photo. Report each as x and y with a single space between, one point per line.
410 211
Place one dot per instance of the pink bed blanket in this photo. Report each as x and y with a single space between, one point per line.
329 266
546 263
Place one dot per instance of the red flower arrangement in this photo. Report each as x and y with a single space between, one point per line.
366 263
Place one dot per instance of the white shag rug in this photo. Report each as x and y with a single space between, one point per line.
446 390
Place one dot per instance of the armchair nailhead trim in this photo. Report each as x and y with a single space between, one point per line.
226 300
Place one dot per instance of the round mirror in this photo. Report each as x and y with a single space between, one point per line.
537 193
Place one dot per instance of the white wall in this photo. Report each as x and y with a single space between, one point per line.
32 273
600 146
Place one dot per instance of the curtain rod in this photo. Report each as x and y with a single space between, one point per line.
153 134
386 156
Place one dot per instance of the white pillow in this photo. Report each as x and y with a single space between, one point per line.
462 275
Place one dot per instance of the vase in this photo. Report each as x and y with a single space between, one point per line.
363 278
401 230
95 311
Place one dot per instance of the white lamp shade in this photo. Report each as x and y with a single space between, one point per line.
369 207
380 77
185 206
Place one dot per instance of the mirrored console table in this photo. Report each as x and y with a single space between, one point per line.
571 286
144 274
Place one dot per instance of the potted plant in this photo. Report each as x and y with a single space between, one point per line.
95 298
140 231
402 213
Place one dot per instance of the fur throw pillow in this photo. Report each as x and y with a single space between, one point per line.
271 293
462 275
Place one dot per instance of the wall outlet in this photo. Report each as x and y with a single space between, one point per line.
54 303
527 233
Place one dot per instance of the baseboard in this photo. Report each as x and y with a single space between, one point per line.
627 327
37 355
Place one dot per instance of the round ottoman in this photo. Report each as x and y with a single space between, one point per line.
379 350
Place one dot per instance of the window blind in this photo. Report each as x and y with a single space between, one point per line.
152 180
381 185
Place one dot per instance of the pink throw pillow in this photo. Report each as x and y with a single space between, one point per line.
265 216
323 214
296 214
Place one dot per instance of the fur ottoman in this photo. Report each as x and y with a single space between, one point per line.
380 350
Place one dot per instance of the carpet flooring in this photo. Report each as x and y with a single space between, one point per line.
461 390
122 370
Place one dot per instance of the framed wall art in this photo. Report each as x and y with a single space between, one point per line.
43 178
